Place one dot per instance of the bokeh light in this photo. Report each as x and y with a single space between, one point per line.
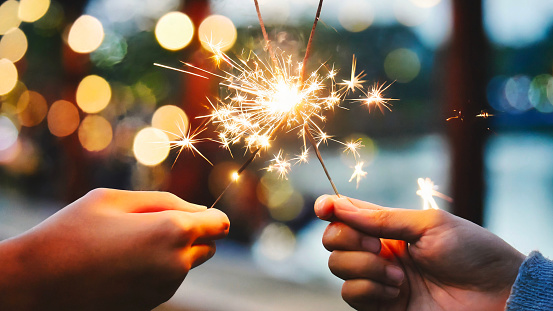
409 14
9 17
219 30
52 21
426 3
8 133
283 203
402 65
174 31
93 94
95 133
13 45
32 10
516 93
170 119
32 108
9 155
63 118
151 146
8 76
539 91
356 16
86 34
276 242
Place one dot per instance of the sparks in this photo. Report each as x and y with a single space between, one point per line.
187 139
355 81
353 147
373 98
427 191
280 165
358 173
459 115
484 114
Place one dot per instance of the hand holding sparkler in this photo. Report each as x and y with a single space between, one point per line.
400 259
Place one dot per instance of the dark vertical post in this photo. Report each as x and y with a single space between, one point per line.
467 73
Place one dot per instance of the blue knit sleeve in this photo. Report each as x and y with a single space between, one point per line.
533 288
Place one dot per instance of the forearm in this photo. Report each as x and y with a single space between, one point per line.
16 281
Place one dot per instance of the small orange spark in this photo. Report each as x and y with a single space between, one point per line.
484 114
458 116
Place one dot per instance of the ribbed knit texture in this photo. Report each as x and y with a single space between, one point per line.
533 288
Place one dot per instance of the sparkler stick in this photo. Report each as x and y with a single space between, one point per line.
265 35
314 144
245 165
310 43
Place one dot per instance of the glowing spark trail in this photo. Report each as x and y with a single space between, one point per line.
427 191
358 173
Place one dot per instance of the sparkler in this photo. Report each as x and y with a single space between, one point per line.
427 191
268 98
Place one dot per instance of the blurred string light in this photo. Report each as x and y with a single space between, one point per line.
402 65
516 23
151 146
219 30
171 120
9 16
95 133
13 45
174 31
276 242
430 20
32 10
426 3
356 16
63 118
52 22
86 34
8 133
280 198
32 108
93 94
540 93
8 76
521 93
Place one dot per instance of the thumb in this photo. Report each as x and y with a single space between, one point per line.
388 223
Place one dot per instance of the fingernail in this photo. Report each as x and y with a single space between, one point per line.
391 291
346 205
394 274
370 244
320 201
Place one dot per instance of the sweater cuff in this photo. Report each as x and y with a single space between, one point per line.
533 288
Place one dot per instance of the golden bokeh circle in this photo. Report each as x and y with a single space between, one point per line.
63 118
86 34
93 94
218 31
95 133
174 31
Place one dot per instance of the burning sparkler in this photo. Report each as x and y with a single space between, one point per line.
265 99
427 191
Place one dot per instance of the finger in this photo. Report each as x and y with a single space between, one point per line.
364 265
198 254
324 207
200 227
389 223
361 292
339 236
142 201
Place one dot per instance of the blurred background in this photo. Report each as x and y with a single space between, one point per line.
82 103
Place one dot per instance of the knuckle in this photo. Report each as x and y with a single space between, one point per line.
382 220
99 194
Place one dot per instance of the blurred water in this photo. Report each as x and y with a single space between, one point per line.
519 204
